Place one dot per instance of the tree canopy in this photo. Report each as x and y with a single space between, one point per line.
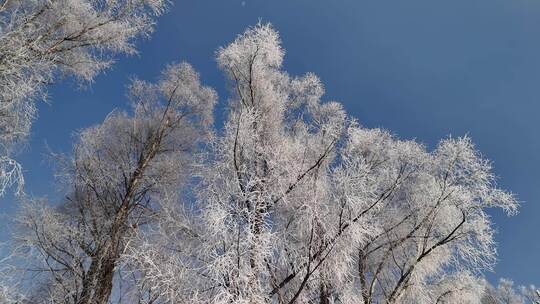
294 201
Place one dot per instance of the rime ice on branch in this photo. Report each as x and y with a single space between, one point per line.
44 40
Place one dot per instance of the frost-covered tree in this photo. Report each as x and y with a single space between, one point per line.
532 294
120 173
433 224
44 40
504 293
508 293
10 292
297 203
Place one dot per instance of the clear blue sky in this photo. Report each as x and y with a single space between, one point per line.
423 69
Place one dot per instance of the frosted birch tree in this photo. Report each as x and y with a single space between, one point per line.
503 293
119 173
506 292
10 292
434 225
297 203
44 40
